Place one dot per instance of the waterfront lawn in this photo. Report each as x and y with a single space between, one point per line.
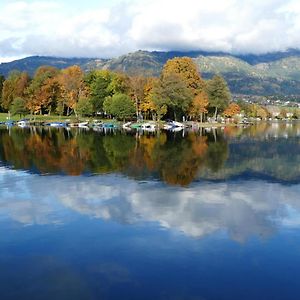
42 118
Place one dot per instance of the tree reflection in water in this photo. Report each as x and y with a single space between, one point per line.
170 157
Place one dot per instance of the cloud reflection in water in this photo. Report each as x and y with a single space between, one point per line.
241 208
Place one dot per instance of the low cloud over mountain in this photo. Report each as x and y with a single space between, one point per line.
102 30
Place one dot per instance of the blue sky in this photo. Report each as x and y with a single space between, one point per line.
111 28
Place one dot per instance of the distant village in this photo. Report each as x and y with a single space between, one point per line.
282 101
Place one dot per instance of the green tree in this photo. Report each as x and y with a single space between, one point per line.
84 107
18 107
174 93
218 94
99 82
120 106
120 84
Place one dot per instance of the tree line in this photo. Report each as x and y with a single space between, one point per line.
179 92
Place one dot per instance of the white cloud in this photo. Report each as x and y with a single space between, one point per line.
52 28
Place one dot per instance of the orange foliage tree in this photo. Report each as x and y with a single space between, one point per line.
199 105
232 110
72 87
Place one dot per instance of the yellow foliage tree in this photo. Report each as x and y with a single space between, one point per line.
147 105
187 70
72 86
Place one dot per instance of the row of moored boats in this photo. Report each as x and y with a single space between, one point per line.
147 126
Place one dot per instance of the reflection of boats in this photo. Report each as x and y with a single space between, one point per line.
98 128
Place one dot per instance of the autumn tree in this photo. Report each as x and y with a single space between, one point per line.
72 86
2 79
199 105
296 113
283 113
258 111
262 113
137 85
232 110
218 94
147 105
120 84
43 90
14 86
187 71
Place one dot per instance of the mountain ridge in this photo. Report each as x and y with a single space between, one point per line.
272 73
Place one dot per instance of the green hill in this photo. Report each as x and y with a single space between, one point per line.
269 74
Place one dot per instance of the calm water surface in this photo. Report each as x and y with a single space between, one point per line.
124 215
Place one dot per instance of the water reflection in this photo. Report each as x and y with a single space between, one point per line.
270 150
241 181
208 215
242 209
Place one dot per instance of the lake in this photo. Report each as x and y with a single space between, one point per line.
212 214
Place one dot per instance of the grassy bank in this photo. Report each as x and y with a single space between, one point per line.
42 118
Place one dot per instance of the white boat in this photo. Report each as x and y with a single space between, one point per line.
97 123
126 125
83 124
23 123
167 126
173 124
176 129
148 126
178 124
